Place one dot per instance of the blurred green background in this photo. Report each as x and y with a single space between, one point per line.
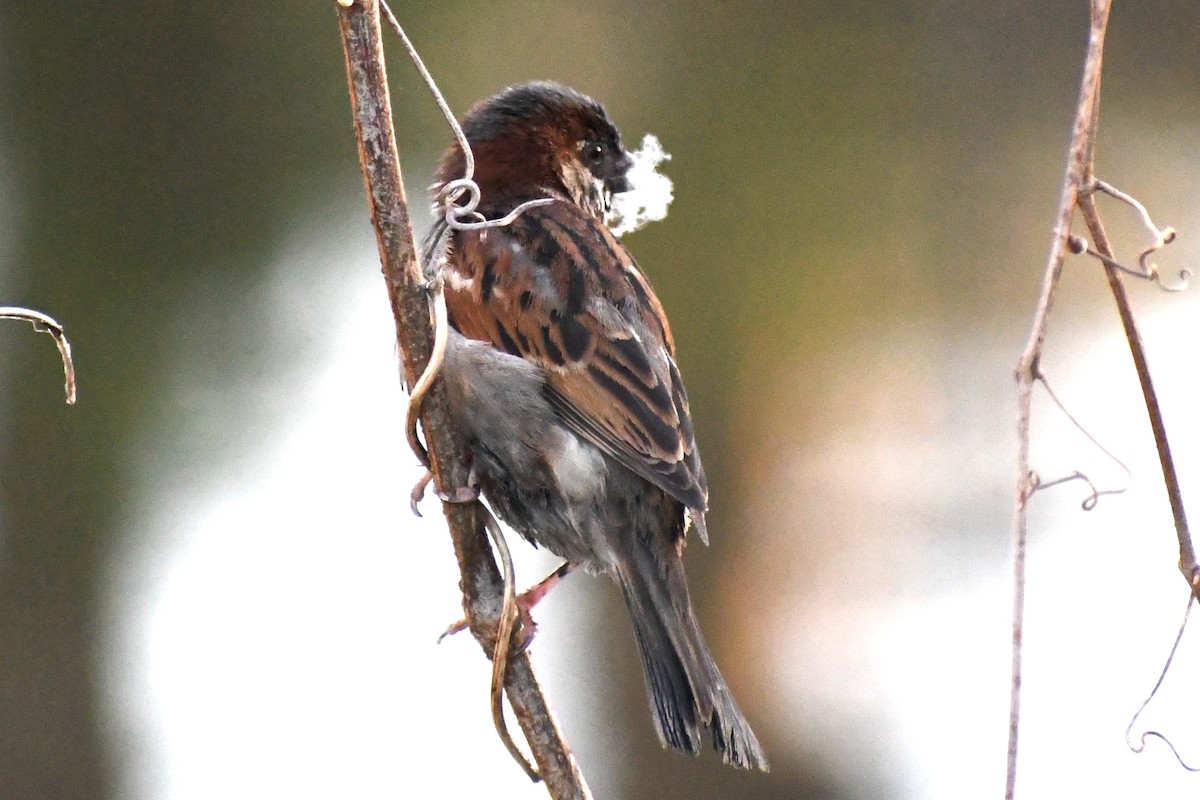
864 193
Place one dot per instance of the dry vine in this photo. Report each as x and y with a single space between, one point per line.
45 323
481 582
1078 192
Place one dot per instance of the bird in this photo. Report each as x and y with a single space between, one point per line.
561 377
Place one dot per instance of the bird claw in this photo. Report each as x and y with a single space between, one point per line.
525 629
457 627
418 492
463 494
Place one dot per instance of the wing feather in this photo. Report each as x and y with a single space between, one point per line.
557 288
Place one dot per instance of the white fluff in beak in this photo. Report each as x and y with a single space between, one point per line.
652 191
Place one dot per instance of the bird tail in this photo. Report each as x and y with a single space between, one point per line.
686 689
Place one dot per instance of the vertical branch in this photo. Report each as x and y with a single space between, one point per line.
482 588
1078 171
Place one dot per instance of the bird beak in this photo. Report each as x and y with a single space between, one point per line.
620 182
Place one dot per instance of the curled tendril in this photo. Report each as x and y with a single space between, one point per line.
1162 237
457 214
454 189
1089 502
1140 745
1149 272
1185 281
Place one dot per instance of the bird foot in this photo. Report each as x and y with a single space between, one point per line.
463 494
524 631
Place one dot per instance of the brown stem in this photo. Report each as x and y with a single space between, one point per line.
1079 157
481 583
1116 284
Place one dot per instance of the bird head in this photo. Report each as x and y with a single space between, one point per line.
542 139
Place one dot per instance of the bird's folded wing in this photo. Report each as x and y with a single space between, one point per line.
557 288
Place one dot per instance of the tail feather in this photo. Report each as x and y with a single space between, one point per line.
686 689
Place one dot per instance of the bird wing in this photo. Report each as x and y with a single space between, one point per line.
557 288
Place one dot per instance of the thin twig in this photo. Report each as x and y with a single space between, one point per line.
1078 157
1146 270
481 582
1187 553
437 301
46 323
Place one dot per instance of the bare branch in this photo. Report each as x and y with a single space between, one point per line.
481 582
1079 188
1187 553
1079 156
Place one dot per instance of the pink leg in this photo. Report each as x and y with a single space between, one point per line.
525 603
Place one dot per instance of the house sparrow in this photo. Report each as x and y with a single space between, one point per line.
561 373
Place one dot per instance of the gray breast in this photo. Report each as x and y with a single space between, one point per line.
539 476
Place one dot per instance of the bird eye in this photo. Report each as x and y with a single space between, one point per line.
593 152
